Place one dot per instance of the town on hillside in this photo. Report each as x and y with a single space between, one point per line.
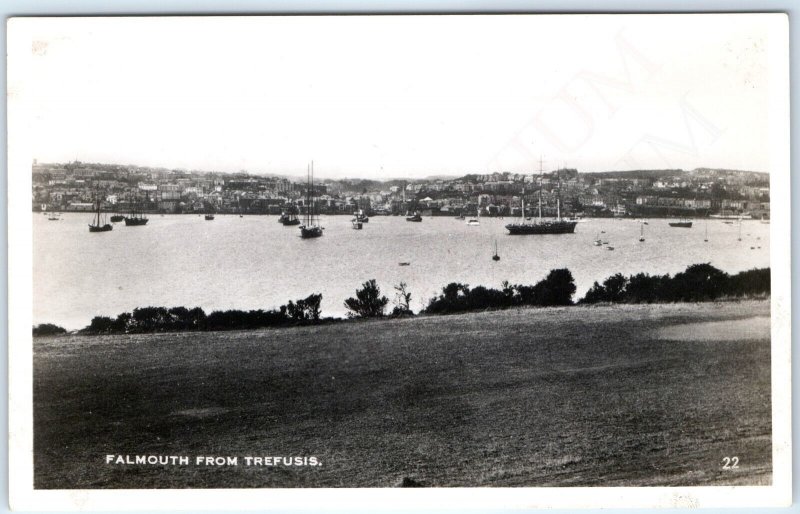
77 186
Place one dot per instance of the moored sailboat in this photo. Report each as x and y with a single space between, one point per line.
289 216
311 227
136 218
98 224
541 226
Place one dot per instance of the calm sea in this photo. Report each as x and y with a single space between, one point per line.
255 262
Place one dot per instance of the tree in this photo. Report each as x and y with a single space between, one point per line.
368 302
48 329
100 325
307 309
556 289
615 287
402 301
700 282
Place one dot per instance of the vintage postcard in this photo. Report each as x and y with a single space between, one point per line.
399 261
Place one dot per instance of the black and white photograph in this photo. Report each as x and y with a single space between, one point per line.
513 260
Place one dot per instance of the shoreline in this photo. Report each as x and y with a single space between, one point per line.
325 322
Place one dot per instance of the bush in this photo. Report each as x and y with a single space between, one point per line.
368 302
612 290
556 289
307 309
100 325
48 329
698 283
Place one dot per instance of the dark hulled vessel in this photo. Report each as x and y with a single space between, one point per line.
542 227
311 227
289 216
97 225
136 219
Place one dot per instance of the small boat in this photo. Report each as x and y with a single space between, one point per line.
728 215
361 217
54 217
473 222
415 217
609 247
209 217
97 225
357 225
460 217
405 264
598 241
641 233
681 223
116 218
495 257
705 239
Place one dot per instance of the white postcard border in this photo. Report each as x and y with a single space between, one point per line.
24 497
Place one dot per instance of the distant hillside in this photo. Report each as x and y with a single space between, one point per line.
650 174
721 172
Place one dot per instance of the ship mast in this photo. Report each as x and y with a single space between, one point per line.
558 199
540 188
308 185
311 197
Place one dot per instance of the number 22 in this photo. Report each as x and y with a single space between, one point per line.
730 462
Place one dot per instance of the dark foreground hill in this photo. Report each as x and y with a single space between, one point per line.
609 395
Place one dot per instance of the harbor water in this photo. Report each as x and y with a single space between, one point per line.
253 262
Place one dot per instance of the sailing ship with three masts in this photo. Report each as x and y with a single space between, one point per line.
311 227
136 218
540 225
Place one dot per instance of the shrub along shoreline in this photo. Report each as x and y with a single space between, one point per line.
698 283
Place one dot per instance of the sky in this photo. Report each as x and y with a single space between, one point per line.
403 96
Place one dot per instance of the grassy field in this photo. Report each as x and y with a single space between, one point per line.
625 395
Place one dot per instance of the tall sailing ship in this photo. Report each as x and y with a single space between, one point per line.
136 218
99 224
311 227
540 225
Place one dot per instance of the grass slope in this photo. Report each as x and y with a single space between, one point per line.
622 395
